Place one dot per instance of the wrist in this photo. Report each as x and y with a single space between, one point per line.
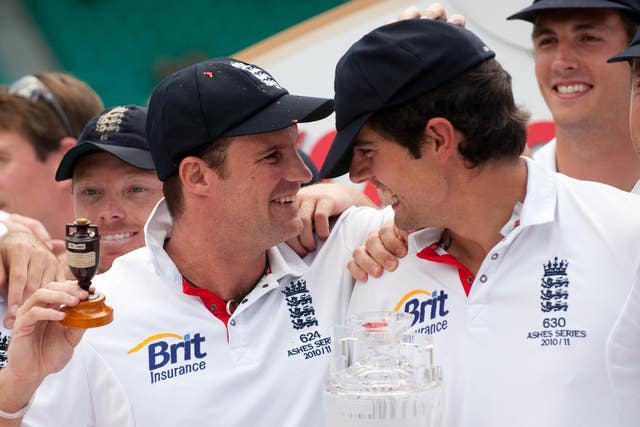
14 393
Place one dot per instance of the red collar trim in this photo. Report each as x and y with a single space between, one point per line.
212 302
430 253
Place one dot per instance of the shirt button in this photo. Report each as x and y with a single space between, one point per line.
483 278
213 307
244 301
494 256
266 285
232 322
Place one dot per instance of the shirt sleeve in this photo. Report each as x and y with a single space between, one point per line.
623 358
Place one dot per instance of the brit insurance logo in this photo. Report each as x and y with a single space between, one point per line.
555 329
172 355
429 310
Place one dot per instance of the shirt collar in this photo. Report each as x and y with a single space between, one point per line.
283 260
539 207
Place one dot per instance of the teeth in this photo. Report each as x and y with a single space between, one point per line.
572 88
285 199
119 236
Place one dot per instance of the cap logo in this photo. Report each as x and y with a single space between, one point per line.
110 121
258 73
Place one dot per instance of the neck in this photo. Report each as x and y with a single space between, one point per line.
604 155
215 264
485 205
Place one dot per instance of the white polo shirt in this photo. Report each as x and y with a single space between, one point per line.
526 346
623 359
182 365
546 156
85 393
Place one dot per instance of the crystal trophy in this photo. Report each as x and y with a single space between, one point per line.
382 375
83 256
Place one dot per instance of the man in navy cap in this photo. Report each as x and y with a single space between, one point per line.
521 272
216 312
623 346
114 184
113 179
588 99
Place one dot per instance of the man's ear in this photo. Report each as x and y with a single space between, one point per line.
441 137
196 175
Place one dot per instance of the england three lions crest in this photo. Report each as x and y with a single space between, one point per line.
300 305
554 292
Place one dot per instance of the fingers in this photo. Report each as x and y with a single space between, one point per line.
321 217
379 254
434 11
457 19
363 264
356 272
44 305
17 221
294 243
305 238
391 239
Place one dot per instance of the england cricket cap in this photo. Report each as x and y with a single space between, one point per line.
529 13
119 131
630 53
220 97
390 66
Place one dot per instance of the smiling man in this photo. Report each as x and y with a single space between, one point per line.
40 117
518 273
588 98
215 307
113 179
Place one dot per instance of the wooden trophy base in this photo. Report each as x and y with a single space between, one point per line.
90 313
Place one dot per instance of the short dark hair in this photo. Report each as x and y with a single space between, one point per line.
215 155
39 123
630 24
479 103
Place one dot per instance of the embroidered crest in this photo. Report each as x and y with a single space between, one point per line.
110 121
554 291
4 346
257 73
300 304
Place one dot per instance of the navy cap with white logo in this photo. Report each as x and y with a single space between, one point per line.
217 98
119 131
390 66
529 13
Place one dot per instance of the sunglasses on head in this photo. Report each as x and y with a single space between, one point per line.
30 87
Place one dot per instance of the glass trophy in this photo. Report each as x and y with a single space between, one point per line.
83 257
382 375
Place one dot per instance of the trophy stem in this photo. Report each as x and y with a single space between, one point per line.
83 257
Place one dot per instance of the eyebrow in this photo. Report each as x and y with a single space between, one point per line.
583 26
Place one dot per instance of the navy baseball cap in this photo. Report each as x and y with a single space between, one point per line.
529 13
220 97
119 131
390 66
630 53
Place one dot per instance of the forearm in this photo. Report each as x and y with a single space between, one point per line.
15 394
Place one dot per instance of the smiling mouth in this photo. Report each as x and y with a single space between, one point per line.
117 237
285 199
571 89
